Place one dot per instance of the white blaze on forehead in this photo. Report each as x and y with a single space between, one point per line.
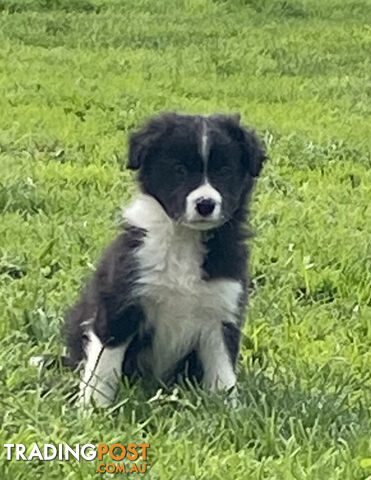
204 144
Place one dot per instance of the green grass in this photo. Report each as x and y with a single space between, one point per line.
76 77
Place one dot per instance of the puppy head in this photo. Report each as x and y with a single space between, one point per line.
198 168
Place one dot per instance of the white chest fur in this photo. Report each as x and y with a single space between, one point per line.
181 307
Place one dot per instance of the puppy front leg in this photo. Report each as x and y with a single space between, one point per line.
217 360
102 371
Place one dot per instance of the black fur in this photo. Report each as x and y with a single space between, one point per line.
232 335
167 148
107 298
167 155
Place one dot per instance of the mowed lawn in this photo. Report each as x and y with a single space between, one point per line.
75 77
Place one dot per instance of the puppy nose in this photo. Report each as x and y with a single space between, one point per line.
205 206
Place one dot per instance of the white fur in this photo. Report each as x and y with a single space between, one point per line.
203 191
218 370
185 311
102 371
204 145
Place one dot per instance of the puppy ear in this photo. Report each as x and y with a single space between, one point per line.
254 151
138 147
252 148
141 141
236 117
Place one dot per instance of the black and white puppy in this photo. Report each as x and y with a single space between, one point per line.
171 289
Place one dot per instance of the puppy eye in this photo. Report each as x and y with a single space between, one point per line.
225 170
180 171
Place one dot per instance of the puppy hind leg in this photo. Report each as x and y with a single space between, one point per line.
102 371
109 338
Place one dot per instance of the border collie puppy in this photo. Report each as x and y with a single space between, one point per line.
171 290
